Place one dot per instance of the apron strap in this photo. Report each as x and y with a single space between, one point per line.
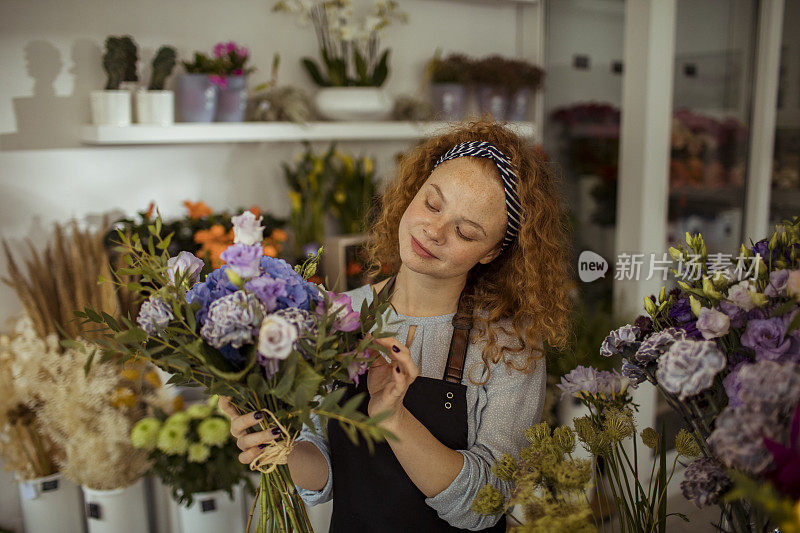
462 324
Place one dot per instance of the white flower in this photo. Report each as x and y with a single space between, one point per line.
739 294
276 337
247 229
713 323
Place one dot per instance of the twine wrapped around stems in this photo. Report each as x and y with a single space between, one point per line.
276 451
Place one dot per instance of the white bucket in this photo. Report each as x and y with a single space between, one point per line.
117 510
51 503
155 107
212 512
111 107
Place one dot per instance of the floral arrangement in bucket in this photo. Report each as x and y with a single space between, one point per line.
723 349
256 331
191 451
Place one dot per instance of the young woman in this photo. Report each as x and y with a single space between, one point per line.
475 232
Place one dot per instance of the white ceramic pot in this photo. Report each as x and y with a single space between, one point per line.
111 107
353 103
51 503
118 510
155 107
212 512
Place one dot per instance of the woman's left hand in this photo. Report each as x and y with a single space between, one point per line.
388 382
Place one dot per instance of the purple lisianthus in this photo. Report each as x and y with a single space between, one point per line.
215 286
154 315
736 314
346 319
766 338
777 283
681 315
356 369
704 482
656 344
186 264
581 380
268 289
620 341
739 294
688 367
712 323
233 320
244 259
247 229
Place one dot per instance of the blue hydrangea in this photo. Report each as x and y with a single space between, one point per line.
215 286
299 292
233 320
154 315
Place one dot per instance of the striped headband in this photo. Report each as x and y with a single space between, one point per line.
486 149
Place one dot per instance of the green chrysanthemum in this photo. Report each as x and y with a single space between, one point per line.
180 418
144 435
214 431
198 453
686 444
199 411
489 500
505 467
650 437
172 439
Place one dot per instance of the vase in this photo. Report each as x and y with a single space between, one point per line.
449 100
51 503
155 107
122 510
353 103
197 98
518 104
493 99
110 108
212 511
232 100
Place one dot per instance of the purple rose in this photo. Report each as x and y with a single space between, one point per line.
346 319
777 283
243 259
186 264
765 337
712 323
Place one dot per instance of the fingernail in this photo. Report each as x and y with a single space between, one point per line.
395 348
397 369
262 446
275 431
258 415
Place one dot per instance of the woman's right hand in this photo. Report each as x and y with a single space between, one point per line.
251 444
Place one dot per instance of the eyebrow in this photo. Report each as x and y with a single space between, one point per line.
464 219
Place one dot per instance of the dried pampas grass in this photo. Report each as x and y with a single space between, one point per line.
63 278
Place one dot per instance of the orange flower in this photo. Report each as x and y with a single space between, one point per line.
123 397
270 251
354 268
197 209
255 210
213 234
279 235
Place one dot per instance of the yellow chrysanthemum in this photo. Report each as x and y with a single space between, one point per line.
214 431
199 411
172 440
144 434
152 378
198 453
123 397
180 418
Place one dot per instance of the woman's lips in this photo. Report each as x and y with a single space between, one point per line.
420 250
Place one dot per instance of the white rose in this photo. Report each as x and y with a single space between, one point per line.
712 323
247 229
739 294
276 337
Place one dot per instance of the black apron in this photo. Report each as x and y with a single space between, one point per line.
373 492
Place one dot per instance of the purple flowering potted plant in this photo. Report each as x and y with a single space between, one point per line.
255 330
723 349
232 79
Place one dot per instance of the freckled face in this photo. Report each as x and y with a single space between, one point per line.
458 215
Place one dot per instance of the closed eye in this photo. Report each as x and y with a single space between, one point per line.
429 206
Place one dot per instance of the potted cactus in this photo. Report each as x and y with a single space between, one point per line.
155 105
112 105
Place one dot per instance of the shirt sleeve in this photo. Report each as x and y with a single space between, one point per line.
315 497
510 402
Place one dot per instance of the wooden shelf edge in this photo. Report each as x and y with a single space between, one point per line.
217 132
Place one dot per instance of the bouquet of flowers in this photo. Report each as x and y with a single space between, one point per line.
191 451
257 331
724 351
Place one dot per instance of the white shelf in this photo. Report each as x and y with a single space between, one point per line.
217 132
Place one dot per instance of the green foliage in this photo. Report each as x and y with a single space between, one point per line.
163 63
119 61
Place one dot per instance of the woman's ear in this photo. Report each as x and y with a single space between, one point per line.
490 255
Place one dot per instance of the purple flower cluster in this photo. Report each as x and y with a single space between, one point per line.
681 315
232 320
215 286
688 367
590 381
704 482
654 346
154 315
620 341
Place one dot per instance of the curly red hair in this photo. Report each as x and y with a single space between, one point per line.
527 284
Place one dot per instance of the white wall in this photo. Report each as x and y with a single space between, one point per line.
50 58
